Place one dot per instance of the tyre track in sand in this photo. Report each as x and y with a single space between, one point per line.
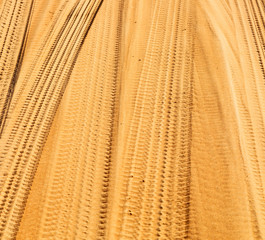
217 176
147 124
258 34
35 108
14 21
144 188
247 88
253 120
90 164
89 138
35 45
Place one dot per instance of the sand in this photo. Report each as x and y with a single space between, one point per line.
132 119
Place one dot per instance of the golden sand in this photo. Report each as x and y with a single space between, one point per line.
129 119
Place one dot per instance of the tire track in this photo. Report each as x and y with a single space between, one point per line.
14 28
219 159
159 132
132 167
141 216
26 73
37 108
88 158
257 35
250 118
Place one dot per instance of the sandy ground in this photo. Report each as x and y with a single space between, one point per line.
132 119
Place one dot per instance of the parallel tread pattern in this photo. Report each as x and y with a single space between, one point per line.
132 119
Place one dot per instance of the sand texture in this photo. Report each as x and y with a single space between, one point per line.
132 119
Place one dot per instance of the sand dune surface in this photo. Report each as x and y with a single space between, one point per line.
127 119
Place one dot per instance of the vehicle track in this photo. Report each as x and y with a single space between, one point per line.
146 124
214 155
88 154
26 71
49 79
256 116
251 119
258 35
142 199
14 21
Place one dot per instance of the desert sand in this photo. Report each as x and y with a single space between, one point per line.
129 119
